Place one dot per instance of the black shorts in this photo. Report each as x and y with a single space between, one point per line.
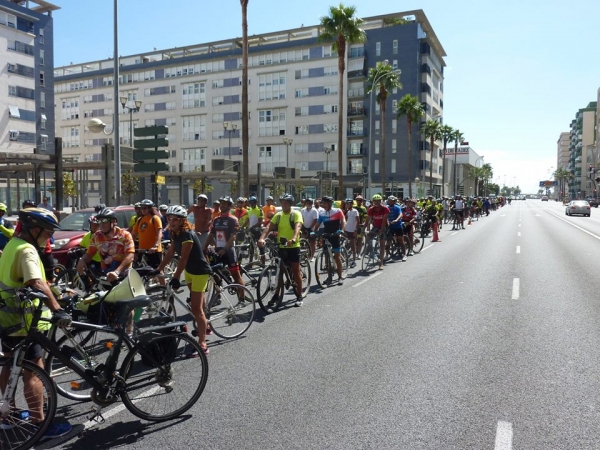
459 213
154 259
397 231
229 259
35 351
291 255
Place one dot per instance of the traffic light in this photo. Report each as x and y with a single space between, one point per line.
597 179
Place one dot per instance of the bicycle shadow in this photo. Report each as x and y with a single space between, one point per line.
114 435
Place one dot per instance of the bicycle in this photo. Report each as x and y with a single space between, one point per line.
278 275
393 250
325 263
370 258
148 380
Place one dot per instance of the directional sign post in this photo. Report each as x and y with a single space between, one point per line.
147 160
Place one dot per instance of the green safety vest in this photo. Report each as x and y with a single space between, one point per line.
13 312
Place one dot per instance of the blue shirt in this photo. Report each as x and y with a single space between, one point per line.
395 212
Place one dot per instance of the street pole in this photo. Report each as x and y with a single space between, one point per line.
117 144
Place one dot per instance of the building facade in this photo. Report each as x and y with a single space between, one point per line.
562 150
293 92
583 152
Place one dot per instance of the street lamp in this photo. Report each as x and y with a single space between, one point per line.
229 130
327 151
239 176
417 182
132 109
288 142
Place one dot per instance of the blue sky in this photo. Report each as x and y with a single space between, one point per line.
517 71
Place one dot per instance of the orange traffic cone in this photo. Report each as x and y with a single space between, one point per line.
436 238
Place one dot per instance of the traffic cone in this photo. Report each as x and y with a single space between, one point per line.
436 238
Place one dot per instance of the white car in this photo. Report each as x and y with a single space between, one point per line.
578 207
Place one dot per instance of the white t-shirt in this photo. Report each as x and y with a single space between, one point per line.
309 216
352 220
321 211
458 205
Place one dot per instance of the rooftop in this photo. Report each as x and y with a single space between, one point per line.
42 5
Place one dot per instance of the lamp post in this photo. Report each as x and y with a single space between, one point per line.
418 183
229 130
136 108
327 151
287 141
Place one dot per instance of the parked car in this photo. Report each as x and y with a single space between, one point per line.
76 225
578 207
545 198
592 201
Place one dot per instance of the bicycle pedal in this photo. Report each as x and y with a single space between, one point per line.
96 415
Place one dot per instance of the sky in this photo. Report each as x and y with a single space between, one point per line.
517 71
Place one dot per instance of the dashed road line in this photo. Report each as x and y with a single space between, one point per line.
518 249
376 274
516 288
504 436
519 234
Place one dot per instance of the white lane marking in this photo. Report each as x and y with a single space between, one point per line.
575 226
504 435
454 233
519 234
429 246
376 274
518 249
515 289
519 225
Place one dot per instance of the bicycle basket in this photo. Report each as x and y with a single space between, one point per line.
159 351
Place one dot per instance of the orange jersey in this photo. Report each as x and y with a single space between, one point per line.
146 229
268 212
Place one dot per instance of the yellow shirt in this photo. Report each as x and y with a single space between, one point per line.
146 229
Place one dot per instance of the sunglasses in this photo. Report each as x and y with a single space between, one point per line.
173 218
104 220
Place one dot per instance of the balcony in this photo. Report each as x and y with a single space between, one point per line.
357 133
425 68
356 152
354 112
355 74
355 93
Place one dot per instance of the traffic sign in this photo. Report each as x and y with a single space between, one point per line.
158 179
151 143
151 167
151 131
145 155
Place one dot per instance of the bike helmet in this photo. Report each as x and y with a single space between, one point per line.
349 200
137 205
202 197
252 199
38 217
226 199
359 197
3 207
377 197
92 219
99 207
269 198
28 204
177 210
241 199
328 199
163 207
309 200
286 197
146 202
106 213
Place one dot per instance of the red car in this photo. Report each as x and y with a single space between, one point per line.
76 225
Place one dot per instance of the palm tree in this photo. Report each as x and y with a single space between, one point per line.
342 28
383 78
412 108
447 131
562 176
487 174
431 130
245 132
477 173
457 137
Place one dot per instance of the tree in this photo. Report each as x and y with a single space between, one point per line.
457 137
517 190
487 173
233 187
447 131
200 186
477 173
129 184
245 121
278 189
431 130
412 108
342 28
383 78
300 188
563 176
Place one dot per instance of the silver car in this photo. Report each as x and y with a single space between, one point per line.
578 207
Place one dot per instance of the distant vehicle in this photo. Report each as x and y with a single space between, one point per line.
592 201
578 207
545 198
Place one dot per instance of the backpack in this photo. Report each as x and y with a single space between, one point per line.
292 216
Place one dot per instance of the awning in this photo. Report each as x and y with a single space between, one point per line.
14 112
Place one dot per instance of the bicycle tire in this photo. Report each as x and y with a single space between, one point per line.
407 245
90 348
266 284
323 269
345 256
418 241
150 390
305 247
162 303
228 316
306 274
370 258
21 434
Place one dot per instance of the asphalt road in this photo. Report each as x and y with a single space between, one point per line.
486 340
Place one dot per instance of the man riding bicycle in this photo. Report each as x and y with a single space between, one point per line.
376 223
395 224
362 217
287 223
333 223
310 216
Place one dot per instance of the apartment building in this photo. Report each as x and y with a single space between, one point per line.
583 151
293 91
562 150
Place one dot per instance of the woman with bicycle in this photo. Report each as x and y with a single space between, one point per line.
186 243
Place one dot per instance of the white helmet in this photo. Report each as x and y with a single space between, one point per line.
177 210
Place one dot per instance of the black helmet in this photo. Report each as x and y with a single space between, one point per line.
287 197
326 198
99 207
38 217
28 204
146 202
106 213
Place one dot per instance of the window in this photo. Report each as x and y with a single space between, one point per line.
378 49
394 105
43 141
302 129
394 125
271 86
41 36
377 147
12 91
194 128
194 95
301 148
13 135
13 112
395 47
271 122
43 122
394 148
395 64
42 99
41 78
42 54
393 166
376 166
377 123
301 110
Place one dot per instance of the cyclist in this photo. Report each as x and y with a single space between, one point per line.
223 233
216 209
196 270
46 253
240 210
352 225
309 218
255 220
376 223
409 216
203 217
148 232
269 211
362 216
287 223
333 223
395 224
99 207
162 209
6 228
21 266
459 206
87 239
137 216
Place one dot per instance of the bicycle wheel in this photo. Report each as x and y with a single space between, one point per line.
62 280
162 303
370 259
164 390
407 245
267 283
91 348
323 269
228 316
17 430
345 256
418 241
305 271
305 247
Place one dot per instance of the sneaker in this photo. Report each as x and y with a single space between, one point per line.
56 430
403 258
328 281
15 419
208 331
299 302
340 281
272 305
353 264
205 349
380 266
411 254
